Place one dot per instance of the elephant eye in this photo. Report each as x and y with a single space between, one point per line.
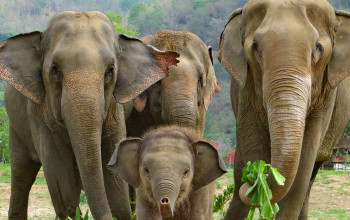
55 72
316 52
109 74
146 170
186 172
256 49
255 45
319 47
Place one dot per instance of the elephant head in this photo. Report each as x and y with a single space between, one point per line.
166 165
184 96
74 69
288 54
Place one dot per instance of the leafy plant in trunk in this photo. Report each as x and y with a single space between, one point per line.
255 175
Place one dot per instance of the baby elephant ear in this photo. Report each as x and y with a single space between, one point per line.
208 164
139 67
124 161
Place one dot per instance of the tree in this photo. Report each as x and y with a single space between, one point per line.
146 18
118 24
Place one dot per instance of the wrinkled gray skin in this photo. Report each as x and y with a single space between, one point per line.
289 61
184 96
62 112
168 167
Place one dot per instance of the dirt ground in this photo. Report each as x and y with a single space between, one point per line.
330 197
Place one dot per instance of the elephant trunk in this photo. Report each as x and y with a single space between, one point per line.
165 192
83 116
286 99
180 106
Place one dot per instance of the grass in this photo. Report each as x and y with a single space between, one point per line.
326 214
327 207
5 175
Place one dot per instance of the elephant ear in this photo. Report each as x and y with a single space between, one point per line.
231 52
20 65
208 164
124 161
139 67
212 85
339 65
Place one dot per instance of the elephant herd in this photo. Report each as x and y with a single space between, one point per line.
77 90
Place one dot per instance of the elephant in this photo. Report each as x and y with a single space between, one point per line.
168 166
62 98
184 96
289 93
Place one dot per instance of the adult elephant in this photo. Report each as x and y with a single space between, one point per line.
184 96
289 93
62 112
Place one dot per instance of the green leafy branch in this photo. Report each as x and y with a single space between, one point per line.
221 199
255 175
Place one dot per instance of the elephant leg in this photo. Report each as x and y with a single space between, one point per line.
23 174
116 189
117 194
252 145
202 202
304 211
237 210
62 176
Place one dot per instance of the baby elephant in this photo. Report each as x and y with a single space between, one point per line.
170 169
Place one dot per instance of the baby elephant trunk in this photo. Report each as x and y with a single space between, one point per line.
165 192
166 209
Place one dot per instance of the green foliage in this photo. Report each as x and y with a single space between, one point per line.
147 18
199 4
221 199
127 4
118 24
83 199
255 175
4 136
5 173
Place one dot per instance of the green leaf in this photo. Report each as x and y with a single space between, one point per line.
86 216
251 189
255 199
77 214
278 177
275 208
250 214
261 194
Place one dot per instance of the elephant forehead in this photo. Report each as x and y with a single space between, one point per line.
166 144
322 7
92 28
74 16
